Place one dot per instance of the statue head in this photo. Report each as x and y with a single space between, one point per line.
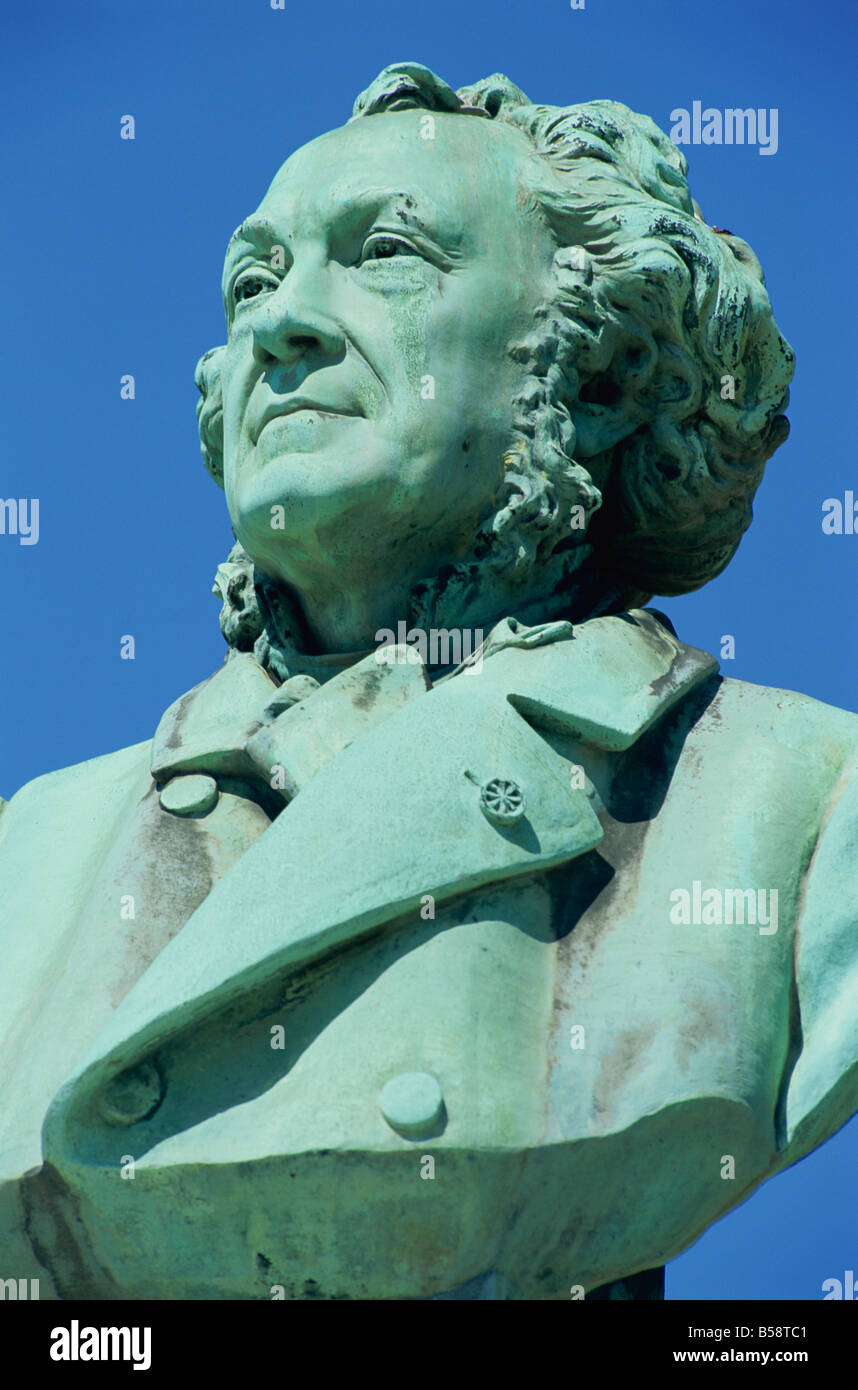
484 357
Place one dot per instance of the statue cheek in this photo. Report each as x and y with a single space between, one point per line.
234 422
414 337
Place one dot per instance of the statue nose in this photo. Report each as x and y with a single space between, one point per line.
291 323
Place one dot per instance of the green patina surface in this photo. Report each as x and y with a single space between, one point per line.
400 965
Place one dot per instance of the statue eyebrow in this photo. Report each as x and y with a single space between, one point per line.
256 230
405 204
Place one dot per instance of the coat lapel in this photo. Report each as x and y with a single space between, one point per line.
401 813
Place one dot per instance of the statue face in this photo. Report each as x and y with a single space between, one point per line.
367 384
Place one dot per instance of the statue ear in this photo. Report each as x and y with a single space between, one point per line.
210 411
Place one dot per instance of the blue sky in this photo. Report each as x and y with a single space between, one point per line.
112 252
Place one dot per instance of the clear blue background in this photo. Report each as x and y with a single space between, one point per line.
112 252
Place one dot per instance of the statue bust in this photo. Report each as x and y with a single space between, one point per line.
466 934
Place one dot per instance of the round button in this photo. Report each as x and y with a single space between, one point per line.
412 1104
502 801
291 691
133 1095
192 795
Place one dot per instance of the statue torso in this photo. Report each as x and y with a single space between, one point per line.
596 1060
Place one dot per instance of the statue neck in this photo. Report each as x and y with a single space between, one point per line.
462 597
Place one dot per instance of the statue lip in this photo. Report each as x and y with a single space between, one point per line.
288 405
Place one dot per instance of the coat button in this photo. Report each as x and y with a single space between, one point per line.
291 691
412 1104
501 801
133 1095
193 794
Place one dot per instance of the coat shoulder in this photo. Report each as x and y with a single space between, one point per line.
81 785
790 718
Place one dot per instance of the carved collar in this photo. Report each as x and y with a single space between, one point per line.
605 681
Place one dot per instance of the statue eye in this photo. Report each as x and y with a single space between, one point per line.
250 285
380 247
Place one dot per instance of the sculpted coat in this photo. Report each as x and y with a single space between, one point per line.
555 1164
